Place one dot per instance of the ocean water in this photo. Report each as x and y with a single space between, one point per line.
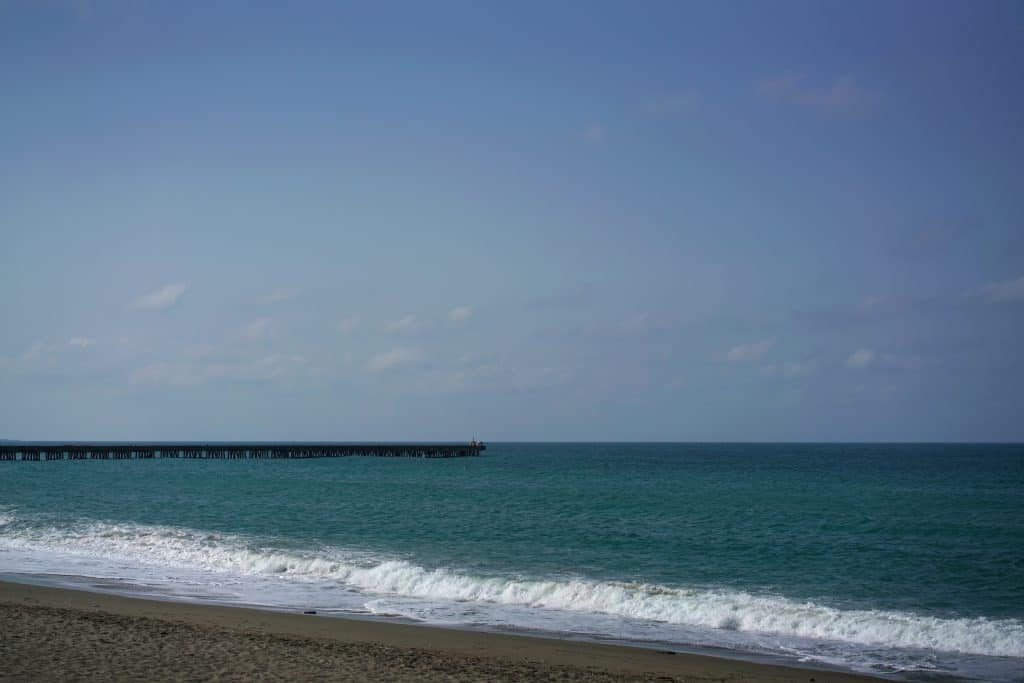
902 560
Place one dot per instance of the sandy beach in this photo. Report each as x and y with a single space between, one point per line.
51 634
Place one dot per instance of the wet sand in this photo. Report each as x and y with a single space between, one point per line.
50 634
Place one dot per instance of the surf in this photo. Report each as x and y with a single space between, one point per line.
377 575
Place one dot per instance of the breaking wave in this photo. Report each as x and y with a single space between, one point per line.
717 609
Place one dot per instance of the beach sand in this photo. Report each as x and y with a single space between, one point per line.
49 634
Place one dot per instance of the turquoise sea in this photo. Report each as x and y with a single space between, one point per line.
903 560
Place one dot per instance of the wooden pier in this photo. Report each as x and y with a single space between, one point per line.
45 451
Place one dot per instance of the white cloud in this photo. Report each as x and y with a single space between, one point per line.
674 103
406 323
393 358
81 341
861 358
594 134
283 294
1011 290
843 95
256 329
460 314
749 352
162 298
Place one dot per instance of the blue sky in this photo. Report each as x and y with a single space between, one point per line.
515 221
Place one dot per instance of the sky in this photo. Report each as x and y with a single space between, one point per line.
635 221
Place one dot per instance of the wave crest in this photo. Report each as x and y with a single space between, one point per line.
717 609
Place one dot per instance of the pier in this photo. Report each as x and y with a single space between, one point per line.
48 452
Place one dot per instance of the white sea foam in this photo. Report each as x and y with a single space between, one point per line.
731 610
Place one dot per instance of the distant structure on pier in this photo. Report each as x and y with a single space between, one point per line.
47 451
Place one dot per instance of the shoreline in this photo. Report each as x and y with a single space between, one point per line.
50 632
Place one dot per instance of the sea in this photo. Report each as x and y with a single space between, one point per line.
901 560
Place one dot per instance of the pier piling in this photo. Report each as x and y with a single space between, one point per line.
50 452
